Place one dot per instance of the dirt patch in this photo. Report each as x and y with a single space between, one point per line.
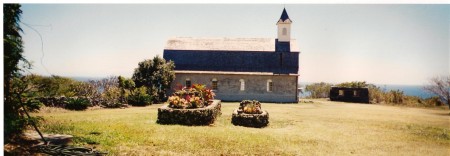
21 145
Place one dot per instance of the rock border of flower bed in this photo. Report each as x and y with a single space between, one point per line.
250 120
197 116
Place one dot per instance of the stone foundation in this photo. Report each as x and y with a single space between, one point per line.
198 116
250 120
284 88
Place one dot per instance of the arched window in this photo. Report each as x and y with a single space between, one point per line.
284 31
188 83
242 84
214 84
269 85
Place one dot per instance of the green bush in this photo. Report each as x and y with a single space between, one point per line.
432 102
77 103
354 84
139 97
22 98
318 90
140 100
156 74
111 97
112 104
376 95
395 97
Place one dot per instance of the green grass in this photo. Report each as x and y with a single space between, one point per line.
320 128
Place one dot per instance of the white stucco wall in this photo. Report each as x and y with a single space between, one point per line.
286 24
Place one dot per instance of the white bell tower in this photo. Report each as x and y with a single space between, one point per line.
284 27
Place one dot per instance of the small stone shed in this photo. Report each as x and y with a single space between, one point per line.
360 95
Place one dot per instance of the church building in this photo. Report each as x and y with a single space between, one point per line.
264 69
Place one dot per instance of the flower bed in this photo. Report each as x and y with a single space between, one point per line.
197 96
249 114
190 106
197 116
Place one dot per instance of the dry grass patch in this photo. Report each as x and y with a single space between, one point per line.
319 128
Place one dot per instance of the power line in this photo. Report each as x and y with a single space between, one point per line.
42 44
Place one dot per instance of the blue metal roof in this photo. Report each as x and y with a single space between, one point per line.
234 61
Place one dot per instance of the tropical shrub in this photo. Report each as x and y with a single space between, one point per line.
395 97
434 101
353 84
249 114
376 95
197 96
156 74
139 97
77 103
250 107
440 86
110 98
57 86
318 90
431 102
23 97
126 86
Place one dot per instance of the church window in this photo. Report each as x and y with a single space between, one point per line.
214 84
284 31
188 83
242 84
269 85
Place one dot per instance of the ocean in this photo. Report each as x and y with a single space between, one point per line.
410 90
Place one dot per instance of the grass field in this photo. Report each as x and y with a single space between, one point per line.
319 128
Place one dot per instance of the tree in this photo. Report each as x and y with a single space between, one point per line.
12 44
56 86
319 90
125 85
440 86
107 92
15 97
354 84
156 75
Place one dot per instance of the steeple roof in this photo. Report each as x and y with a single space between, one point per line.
284 15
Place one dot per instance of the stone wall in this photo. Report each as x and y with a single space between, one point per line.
250 120
198 116
284 86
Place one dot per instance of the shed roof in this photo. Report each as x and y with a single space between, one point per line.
225 44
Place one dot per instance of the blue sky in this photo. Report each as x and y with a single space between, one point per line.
382 44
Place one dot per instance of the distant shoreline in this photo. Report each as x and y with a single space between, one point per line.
410 90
